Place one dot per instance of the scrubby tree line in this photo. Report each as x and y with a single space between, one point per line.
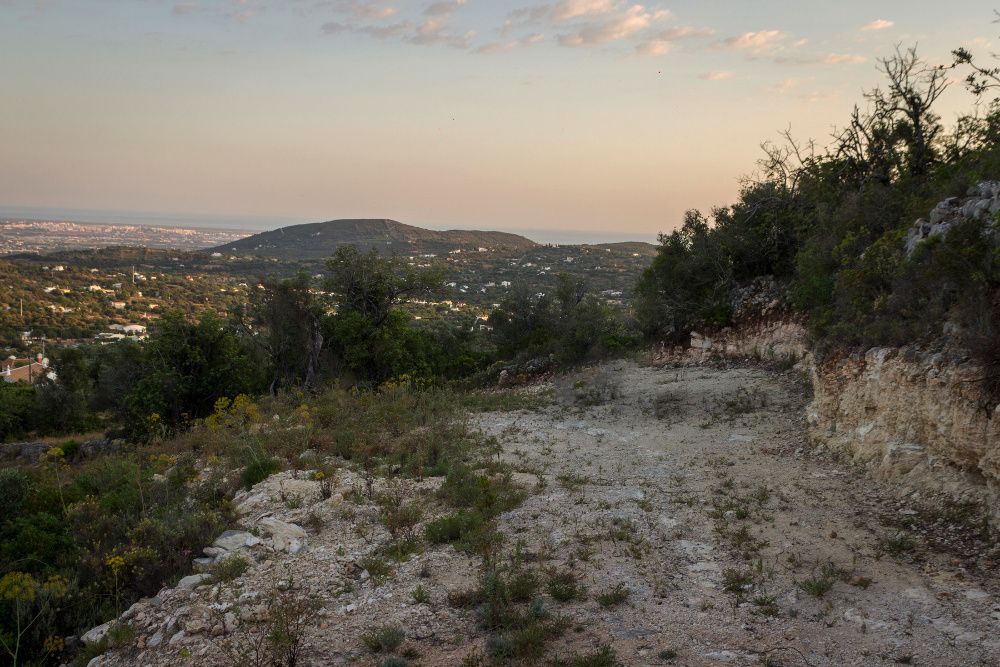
830 224
352 327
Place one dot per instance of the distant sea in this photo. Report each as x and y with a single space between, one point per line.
259 224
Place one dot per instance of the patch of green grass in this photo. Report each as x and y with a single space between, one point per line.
572 482
613 597
258 469
523 585
464 488
377 567
509 400
401 550
520 628
564 587
393 661
229 568
897 544
766 605
455 527
399 517
817 586
736 581
421 595
602 657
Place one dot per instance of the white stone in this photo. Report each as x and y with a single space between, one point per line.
96 634
192 581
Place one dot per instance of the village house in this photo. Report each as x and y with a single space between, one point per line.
25 370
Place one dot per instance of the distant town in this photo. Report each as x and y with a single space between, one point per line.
45 236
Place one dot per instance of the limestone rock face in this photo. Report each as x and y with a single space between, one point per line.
913 417
763 327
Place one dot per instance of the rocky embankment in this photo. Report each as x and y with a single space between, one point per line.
913 417
764 328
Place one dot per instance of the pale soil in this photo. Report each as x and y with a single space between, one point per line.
623 492
661 476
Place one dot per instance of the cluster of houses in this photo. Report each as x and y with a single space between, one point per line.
118 332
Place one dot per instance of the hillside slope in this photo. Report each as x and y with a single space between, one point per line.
671 513
320 239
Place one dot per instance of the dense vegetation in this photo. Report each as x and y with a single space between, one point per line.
81 540
831 224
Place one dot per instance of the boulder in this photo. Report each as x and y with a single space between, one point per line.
231 540
97 634
286 537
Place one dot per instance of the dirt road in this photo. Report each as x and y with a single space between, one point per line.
695 490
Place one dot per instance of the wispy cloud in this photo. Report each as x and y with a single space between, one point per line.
820 59
501 47
762 40
718 75
879 24
444 8
574 9
665 41
612 27
788 85
366 10
385 31
434 27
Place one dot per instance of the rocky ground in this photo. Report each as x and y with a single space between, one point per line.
697 525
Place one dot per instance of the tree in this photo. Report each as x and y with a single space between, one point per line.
913 89
371 285
687 283
186 368
289 321
369 335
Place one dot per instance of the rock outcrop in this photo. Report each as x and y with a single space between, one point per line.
982 203
917 418
763 327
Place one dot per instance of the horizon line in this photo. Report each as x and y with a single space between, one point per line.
258 224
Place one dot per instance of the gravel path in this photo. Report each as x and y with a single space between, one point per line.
695 489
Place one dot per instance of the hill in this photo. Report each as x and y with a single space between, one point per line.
320 239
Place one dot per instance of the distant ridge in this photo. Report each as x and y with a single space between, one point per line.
318 240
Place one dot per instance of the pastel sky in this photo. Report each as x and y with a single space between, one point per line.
605 117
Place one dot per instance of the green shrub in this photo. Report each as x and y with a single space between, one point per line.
14 488
230 568
385 639
564 587
258 469
613 597
454 527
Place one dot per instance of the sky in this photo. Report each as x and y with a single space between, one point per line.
572 119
